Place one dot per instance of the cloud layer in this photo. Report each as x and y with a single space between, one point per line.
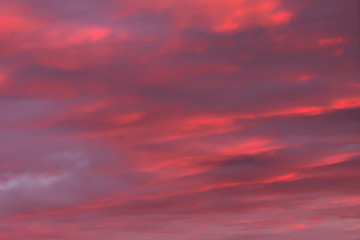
169 119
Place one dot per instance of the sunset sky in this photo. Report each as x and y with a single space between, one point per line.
179 120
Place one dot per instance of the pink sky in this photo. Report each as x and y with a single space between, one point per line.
179 120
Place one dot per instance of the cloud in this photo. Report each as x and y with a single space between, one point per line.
172 119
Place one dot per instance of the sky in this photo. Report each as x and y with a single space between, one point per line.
179 120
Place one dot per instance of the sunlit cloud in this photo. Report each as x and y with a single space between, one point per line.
179 119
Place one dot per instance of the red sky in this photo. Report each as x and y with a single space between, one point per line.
179 120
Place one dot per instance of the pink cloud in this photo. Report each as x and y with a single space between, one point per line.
179 120
297 226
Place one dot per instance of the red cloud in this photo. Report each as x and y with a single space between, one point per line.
172 119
